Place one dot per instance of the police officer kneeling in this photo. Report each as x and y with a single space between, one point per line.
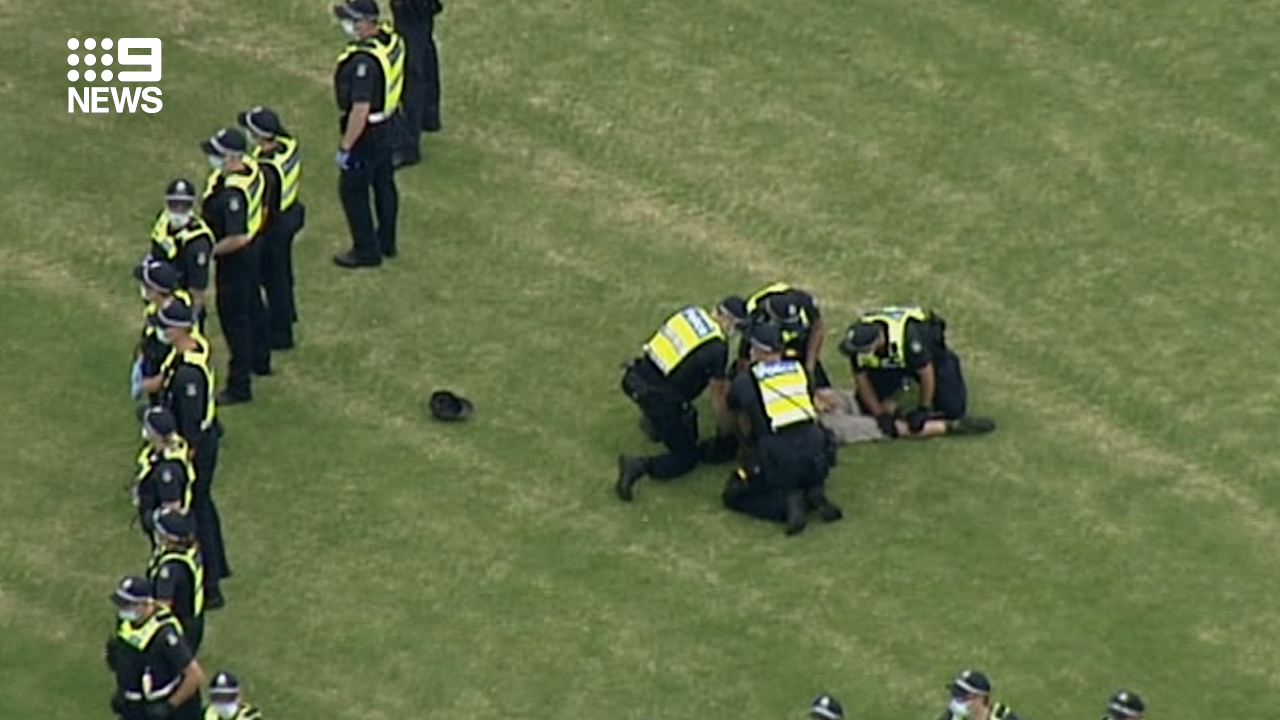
157 675
890 346
688 353
790 454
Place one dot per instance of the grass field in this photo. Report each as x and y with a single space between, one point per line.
1087 190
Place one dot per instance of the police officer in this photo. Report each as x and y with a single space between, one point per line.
1125 705
159 281
786 468
688 354
165 476
888 347
796 313
157 674
188 394
183 239
825 707
226 701
176 572
971 699
232 205
415 21
277 155
368 84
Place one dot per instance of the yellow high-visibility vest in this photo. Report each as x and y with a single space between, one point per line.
679 336
287 161
784 389
895 320
390 56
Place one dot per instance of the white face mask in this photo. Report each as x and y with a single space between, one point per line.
142 290
959 708
129 614
145 435
179 219
348 28
226 711
215 161
161 337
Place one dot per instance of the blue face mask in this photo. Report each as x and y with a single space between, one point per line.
215 161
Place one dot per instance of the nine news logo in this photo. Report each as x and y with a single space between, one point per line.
130 52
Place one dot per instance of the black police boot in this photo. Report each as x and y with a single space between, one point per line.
630 470
968 425
213 598
796 518
827 510
226 397
350 260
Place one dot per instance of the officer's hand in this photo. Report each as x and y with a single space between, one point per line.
916 419
342 159
888 424
135 380
159 710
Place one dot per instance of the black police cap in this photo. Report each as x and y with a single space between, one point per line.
132 590
158 275
735 307
356 10
444 405
175 523
180 190
261 121
227 141
176 314
859 338
766 337
970 682
782 308
158 420
826 707
1125 704
224 684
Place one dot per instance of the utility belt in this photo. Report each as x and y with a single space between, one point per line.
150 694
643 383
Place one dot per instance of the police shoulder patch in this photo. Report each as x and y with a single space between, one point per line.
362 69
166 476
234 204
172 639
192 390
916 347
164 573
202 258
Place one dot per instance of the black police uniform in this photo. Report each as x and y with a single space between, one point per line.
177 577
790 454
164 478
795 335
188 384
148 659
239 296
415 21
924 343
359 78
188 248
666 404
286 216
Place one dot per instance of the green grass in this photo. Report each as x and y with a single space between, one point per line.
1087 190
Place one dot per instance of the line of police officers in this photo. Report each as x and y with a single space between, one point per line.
969 698
249 214
764 400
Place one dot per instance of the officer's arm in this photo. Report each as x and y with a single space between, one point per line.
813 348
928 384
356 123
867 393
720 405
235 221
197 270
189 386
178 655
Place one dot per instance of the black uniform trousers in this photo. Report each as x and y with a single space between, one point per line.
950 395
277 275
672 422
794 461
208 524
189 710
415 21
370 168
243 317
193 632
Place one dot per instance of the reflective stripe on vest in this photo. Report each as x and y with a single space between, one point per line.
288 164
167 243
754 300
198 358
189 557
679 336
179 452
784 389
895 320
252 185
390 56
246 712
139 638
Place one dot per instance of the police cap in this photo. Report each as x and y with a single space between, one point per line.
227 141
970 682
224 685
132 590
175 524
859 338
826 707
180 190
735 307
1125 704
157 275
766 337
783 308
356 10
444 405
157 420
176 314
261 122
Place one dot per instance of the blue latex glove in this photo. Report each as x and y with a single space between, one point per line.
135 380
342 159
